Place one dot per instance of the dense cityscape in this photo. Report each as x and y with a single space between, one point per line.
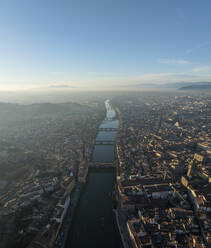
161 195
163 176
42 157
105 124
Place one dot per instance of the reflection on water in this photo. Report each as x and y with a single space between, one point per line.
104 135
110 111
103 153
94 222
109 124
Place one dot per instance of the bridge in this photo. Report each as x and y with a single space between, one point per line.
103 164
104 142
108 129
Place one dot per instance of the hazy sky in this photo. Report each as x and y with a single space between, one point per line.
103 42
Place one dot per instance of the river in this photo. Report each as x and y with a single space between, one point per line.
94 224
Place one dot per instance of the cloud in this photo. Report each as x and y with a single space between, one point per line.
112 82
202 69
199 46
115 82
189 51
173 61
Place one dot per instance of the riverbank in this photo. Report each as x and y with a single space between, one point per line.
61 239
94 224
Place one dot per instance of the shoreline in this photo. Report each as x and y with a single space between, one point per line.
68 221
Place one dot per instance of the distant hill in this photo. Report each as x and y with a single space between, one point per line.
16 113
178 85
197 87
175 86
60 86
145 85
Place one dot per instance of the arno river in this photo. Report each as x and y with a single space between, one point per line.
94 224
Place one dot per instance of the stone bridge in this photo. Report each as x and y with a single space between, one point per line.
104 142
103 164
108 129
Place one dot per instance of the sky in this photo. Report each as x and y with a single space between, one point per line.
103 43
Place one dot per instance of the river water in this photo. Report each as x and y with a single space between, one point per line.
94 224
